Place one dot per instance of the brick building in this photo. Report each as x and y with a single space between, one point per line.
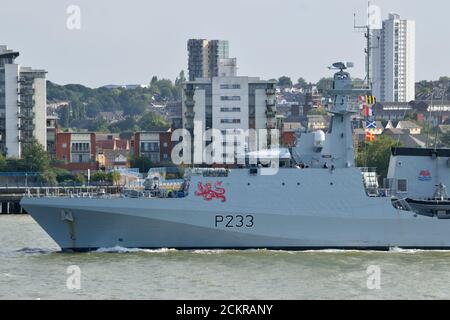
77 151
154 144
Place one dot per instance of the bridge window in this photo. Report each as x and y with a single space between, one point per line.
402 185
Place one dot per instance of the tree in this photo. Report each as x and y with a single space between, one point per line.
35 157
302 82
136 107
153 81
445 139
99 125
325 85
2 163
129 124
180 79
114 177
48 177
376 154
142 163
150 120
284 81
99 176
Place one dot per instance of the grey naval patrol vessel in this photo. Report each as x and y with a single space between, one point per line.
322 201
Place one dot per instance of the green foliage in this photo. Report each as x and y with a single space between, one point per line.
114 177
99 125
302 82
317 112
284 81
48 177
143 163
129 124
152 119
2 162
445 139
376 154
100 176
35 158
86 102
325 85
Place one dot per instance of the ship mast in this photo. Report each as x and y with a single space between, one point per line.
368 34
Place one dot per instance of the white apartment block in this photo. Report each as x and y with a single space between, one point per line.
23 101
229 103
393 60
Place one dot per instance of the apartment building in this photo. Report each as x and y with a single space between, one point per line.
23 101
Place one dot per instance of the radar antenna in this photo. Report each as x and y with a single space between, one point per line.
368 34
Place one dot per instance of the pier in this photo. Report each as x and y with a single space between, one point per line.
10 196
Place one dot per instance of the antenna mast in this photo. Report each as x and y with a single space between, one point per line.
366 29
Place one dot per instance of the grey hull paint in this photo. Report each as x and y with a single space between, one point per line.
316 214
298 221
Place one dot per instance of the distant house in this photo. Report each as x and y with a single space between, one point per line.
112 116
444 128
113 159
112 151
436 112
377 131
405 139
317 122
111 142
409 126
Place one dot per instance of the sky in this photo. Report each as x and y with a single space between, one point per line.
127 42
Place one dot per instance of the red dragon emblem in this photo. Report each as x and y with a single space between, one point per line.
208 194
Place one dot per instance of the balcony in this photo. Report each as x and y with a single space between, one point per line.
189 91
270 114
25 81
189 126
270 91
189 103
23 115
270 103
189 114
26 126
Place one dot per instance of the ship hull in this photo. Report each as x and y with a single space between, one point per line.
293 215
91 229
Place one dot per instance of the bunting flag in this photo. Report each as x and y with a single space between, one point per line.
367 111
370 136
371 100
371 124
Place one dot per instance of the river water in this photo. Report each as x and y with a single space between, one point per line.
31 267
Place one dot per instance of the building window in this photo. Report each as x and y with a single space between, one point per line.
230 109
230 98
149 146
154 157
165 144
80 147
64 145
230 120
230 86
